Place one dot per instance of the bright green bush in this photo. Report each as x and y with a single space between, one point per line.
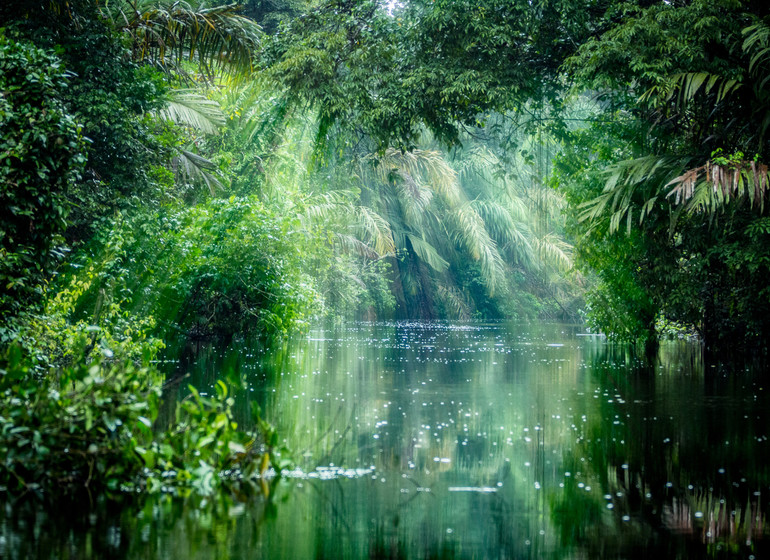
219 269
238 272
52 337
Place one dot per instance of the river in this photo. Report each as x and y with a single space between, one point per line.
495 441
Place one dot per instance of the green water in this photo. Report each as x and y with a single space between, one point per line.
459 441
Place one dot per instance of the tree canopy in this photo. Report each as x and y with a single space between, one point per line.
391 69
686 171
652 116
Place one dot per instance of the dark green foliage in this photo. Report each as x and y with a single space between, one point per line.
93 424
80 403
238 272
722 289
269 14
620 304
80 406
76 408
41 155
217 39
680 101
109 96
78 427
389 71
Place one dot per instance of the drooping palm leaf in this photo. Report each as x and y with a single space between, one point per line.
428 166
683 87
709 187
513 235
413 196
427 253
757 44
351 244
554 251
168 33
472 234
632 186
454 303
193 168
375 230
190 108
257 110
322 208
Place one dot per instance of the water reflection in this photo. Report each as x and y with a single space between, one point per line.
680 457
483 441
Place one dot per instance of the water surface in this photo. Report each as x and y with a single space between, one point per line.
461 441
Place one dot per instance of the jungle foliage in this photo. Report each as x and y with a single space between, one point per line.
391 69
95 169
666 176
94 425
173 168
41 155
674 225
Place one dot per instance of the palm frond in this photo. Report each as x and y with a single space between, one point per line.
375 230
554 251
429 167
513 235
685 86
190 108
193 168
167 33
630 186
427 253
496 217
454 303
351 244
323 208
413 196
479 163
470 232
473 235
257 111
517 207
757 44
709 187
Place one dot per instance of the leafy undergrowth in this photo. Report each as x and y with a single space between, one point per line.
93 424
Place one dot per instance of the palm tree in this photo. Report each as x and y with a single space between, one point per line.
694 211
460 224
522 213
216 39
687 182
452 229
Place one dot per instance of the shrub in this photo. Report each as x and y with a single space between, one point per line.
93 424
41 154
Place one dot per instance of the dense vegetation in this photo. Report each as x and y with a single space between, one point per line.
174 169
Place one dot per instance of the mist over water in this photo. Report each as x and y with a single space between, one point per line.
415 440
